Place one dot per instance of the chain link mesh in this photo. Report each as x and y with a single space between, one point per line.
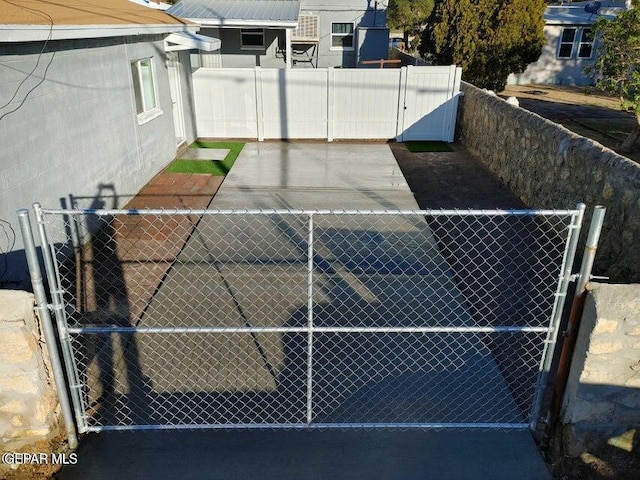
292 318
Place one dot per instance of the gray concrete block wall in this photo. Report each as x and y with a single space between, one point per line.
548 166
603 392
75 127
29 410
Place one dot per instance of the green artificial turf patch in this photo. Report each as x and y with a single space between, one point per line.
218 168
417 147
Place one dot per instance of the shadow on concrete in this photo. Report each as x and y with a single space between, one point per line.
506 268
366 275
348 455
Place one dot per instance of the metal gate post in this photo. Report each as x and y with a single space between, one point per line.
556 315
47 327
310 321
53 276
577 308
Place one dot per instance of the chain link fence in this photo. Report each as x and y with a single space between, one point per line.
301 319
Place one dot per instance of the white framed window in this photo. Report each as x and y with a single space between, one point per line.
585 47
252 39
567 39
342 36
144 89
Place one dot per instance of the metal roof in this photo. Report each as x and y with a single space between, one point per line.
282 13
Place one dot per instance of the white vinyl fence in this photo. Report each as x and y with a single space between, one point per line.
411 103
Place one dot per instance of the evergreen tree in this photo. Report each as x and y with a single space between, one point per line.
489 39
408 15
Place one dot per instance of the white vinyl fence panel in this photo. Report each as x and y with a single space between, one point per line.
294 103
225 103
431 103
366 103
412 103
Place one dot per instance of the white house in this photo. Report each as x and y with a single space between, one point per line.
289 33
571 45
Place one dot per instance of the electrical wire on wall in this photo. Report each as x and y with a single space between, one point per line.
45 15
11 243
8 231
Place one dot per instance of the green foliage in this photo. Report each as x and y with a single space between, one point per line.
216 168
489 39
617 64
408 15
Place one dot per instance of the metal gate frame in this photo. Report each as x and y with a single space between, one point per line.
75 386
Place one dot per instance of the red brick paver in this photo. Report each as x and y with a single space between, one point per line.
124 264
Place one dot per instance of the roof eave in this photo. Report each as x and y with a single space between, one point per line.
39 33
240 23
568 22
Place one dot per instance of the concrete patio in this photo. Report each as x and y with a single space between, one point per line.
210 284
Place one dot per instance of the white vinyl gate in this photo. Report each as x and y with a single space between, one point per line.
411 103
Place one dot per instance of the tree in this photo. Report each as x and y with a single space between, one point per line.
489 39
617 64
408 15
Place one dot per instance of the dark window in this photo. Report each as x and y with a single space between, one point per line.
566 42
342 36
585 49
252 39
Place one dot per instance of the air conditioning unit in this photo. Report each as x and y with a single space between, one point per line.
308 29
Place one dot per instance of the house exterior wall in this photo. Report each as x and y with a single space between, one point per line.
359 12
233 56
72 129
370 38
549 69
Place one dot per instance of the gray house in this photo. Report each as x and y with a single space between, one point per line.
570 46
93 103
289 33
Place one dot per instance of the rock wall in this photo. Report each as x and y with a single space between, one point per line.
548 166
28 400
602 399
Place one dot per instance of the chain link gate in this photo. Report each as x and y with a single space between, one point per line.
307 319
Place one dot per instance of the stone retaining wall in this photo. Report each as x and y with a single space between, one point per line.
602 399
29 410
548 166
